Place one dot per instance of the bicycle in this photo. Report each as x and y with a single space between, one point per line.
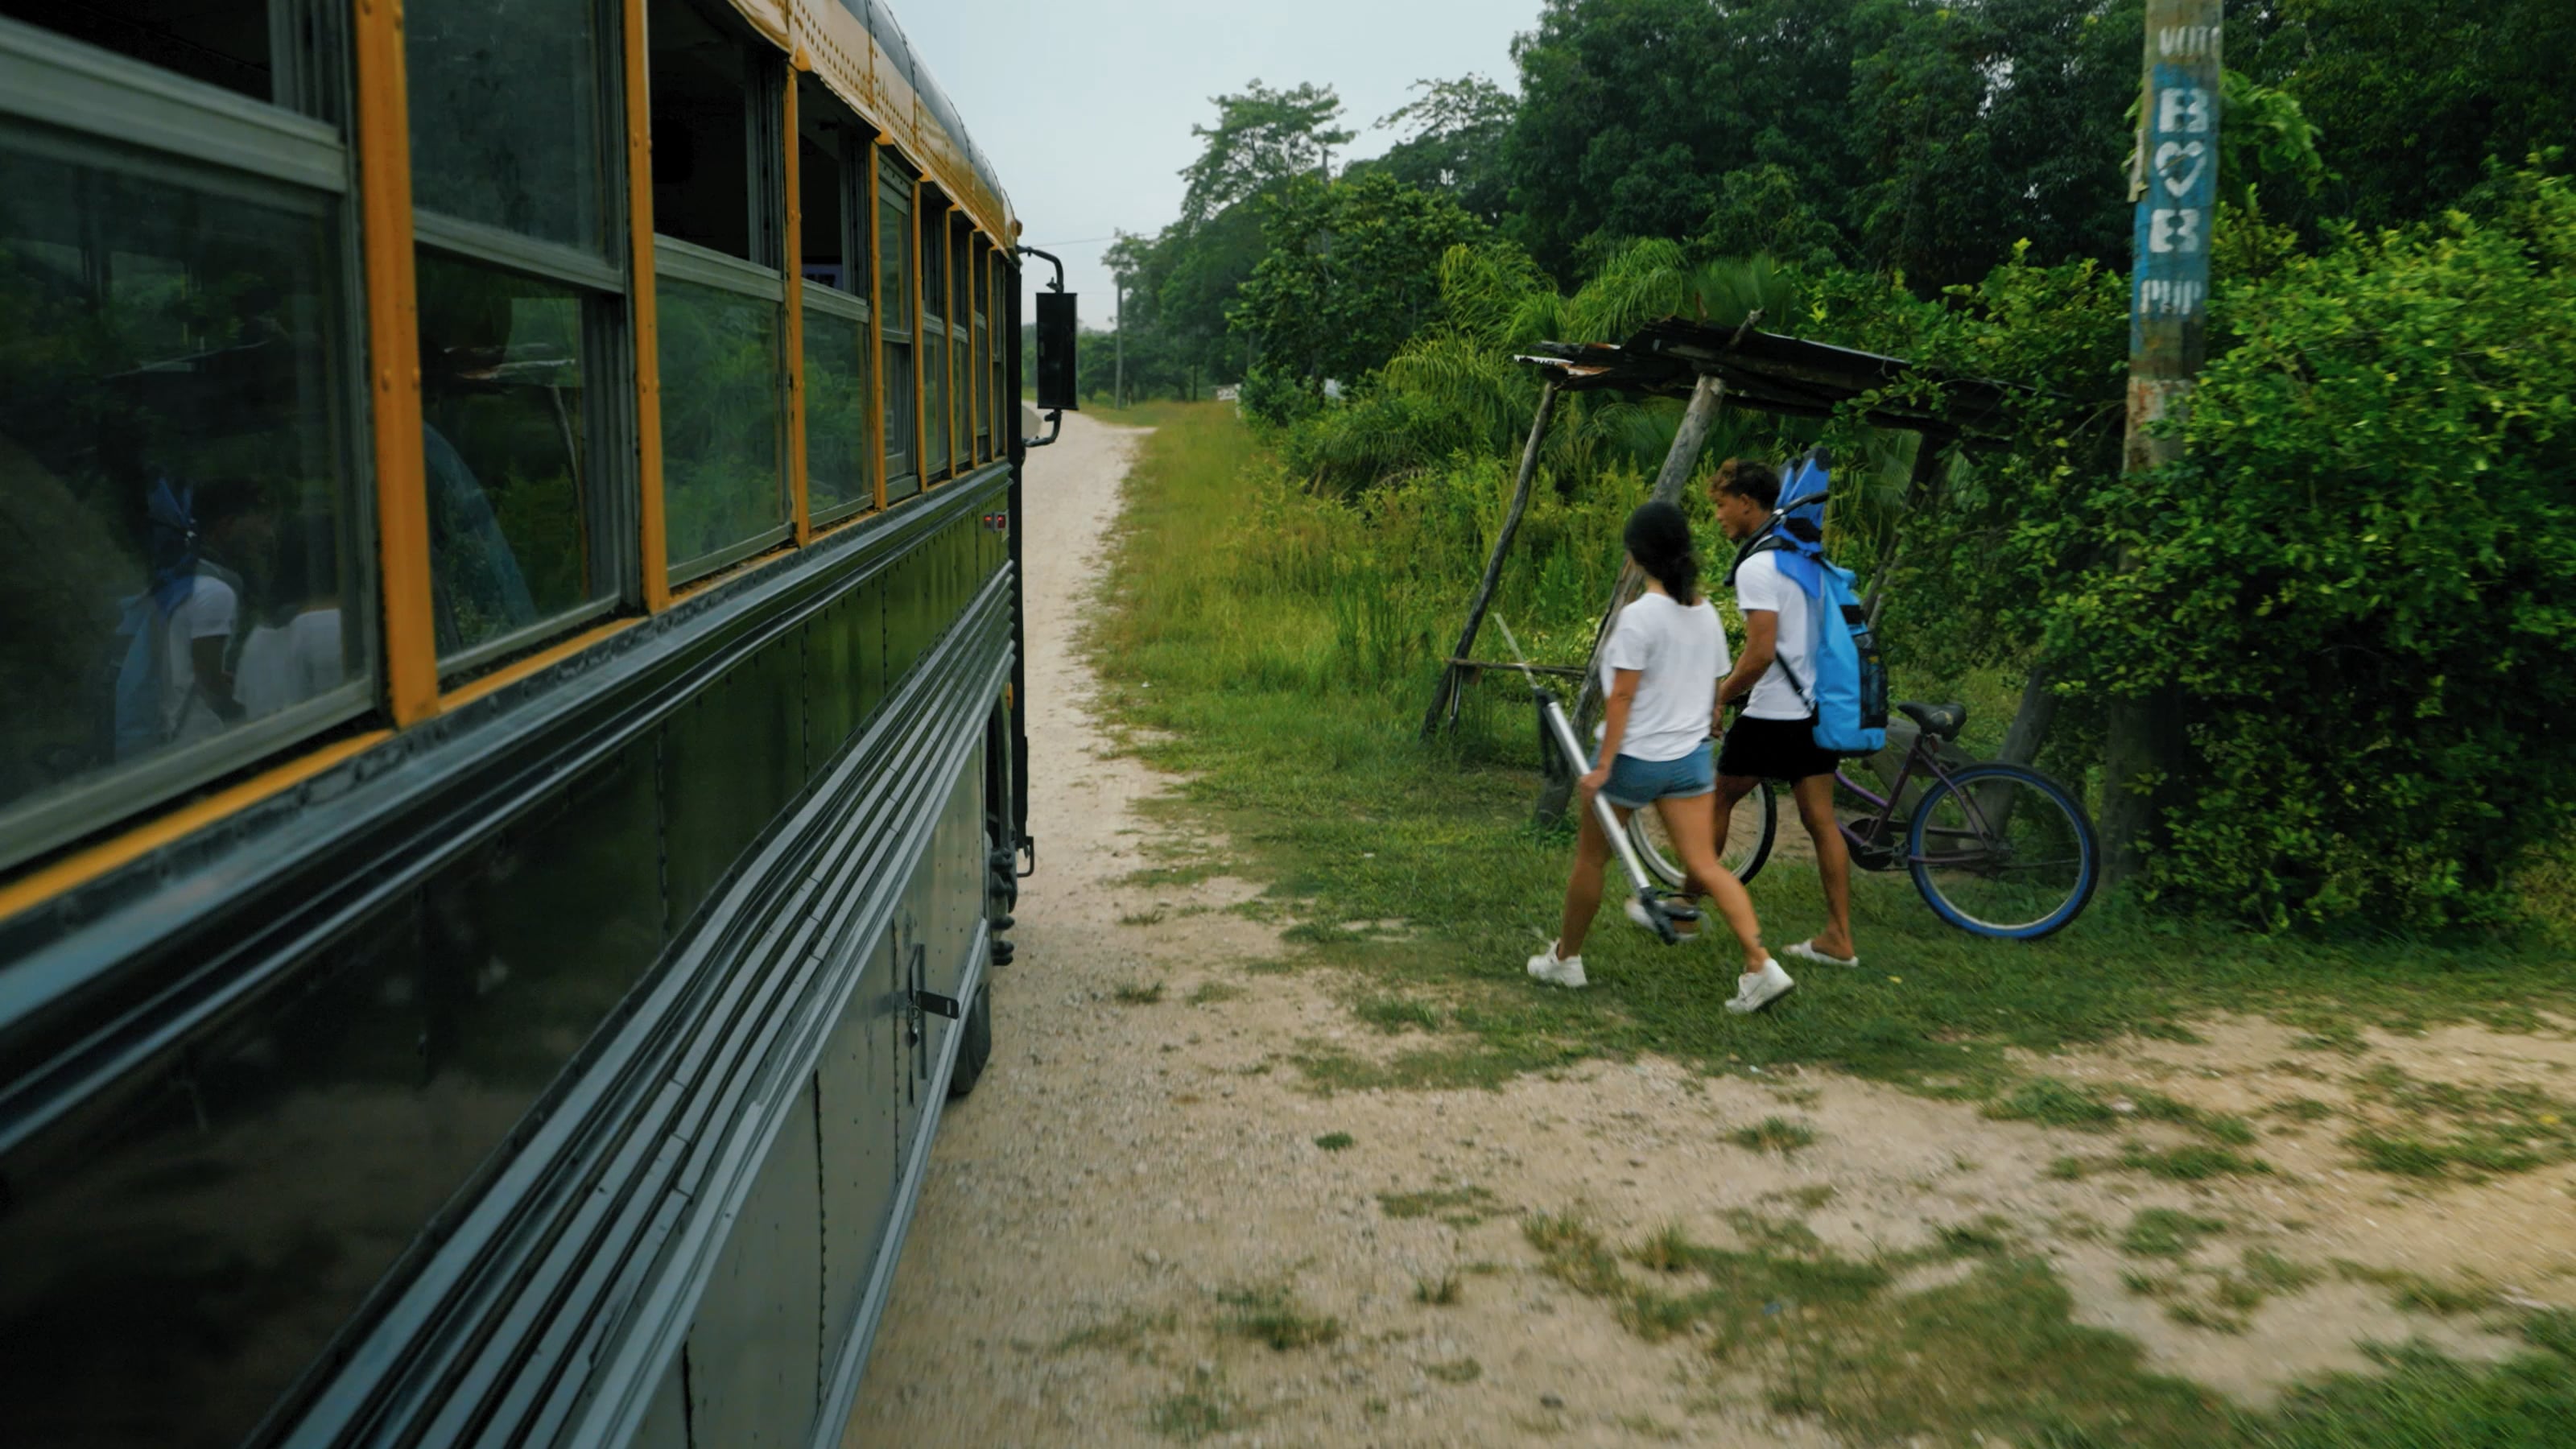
1997 850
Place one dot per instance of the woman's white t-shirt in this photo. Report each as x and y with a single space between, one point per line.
1682 652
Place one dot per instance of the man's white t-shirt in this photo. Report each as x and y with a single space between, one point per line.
1682 653
1759 584
207 613
289 665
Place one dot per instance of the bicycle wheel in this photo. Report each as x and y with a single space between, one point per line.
2001 851
1748 839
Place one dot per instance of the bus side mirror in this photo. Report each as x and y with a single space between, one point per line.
1056 371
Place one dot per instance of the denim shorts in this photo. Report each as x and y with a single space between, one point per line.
1635 783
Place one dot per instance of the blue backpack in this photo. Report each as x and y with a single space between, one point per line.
1849 692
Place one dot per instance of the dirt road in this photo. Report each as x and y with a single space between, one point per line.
1131 1233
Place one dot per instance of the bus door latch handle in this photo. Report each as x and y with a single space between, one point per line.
923 999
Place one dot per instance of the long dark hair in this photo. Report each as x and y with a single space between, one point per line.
1659 539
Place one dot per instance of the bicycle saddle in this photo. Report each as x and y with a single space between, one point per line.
1941 721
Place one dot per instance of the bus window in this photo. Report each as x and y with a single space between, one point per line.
180 582
983 373
720 216
506 128
839 444
894 306
226 43
521 293
502 387
934 335
961 350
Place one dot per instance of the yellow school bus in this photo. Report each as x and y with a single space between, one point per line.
511 786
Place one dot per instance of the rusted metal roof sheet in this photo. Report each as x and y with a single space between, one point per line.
1772 373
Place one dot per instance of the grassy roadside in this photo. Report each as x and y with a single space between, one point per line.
1417 864
1413 868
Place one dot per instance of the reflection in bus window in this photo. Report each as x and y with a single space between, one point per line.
505 114
169 404
722 480
501 408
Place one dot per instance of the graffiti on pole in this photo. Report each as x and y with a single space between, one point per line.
2176 186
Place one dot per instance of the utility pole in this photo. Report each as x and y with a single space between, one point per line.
2174 181
1118 388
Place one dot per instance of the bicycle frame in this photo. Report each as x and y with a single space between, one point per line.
1883 854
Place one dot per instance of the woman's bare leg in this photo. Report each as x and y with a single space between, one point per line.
1692 824
1583 888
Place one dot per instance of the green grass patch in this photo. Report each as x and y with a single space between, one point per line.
1126 1334
1392 1014
1334 1141
1272 1315
1470 1203
1136 993
2190 1164
2414 1128
1773 1134
1203 1410
1457 1371
2165 1233
1444 1291
1214 993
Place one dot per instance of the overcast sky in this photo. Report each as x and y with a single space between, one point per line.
1085 106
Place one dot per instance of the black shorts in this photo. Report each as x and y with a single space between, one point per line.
1772 749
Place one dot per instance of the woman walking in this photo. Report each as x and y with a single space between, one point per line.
1660 674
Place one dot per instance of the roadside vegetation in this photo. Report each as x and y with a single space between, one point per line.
2348 612
1236 646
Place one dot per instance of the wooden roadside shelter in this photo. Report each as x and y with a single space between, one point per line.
1715 366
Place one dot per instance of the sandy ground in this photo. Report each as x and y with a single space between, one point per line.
1127 1164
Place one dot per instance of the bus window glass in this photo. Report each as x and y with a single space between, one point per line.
721 387
961 369
983 355
702 95
501 423
225 43
894 308
934 337
505 115
175 486
836 412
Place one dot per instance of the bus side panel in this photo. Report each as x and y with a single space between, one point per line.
860 1081
752 1353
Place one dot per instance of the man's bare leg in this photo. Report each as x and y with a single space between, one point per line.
1815 796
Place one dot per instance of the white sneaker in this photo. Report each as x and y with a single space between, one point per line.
1806 951
1752 993
1686 931
1555 970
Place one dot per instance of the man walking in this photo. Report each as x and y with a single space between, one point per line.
1774 739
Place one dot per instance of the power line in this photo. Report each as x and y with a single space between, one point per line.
1082 241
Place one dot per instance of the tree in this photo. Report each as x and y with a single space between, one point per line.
1453 135
1980 125
1261 137
1633 110
1352 272
2414 97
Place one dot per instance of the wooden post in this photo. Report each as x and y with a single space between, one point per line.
2175 186
1679 463
1449 677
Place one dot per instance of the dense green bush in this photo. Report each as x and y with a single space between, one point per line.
2363 578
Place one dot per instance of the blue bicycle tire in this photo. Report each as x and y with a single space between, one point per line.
2088 845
